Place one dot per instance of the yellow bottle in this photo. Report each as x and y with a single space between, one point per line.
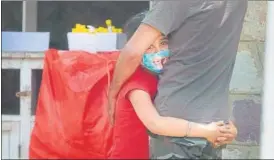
119 30
100 29
74 30
105 30
97 30
79 28
109 25
113 29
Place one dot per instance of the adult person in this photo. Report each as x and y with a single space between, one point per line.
203 39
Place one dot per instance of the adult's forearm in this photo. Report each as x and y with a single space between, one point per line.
125 67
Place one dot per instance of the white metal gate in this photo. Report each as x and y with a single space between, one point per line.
16 128
10 140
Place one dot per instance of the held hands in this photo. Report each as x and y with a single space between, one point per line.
230 132
219 133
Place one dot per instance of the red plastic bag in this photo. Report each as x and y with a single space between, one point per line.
71 117
71 114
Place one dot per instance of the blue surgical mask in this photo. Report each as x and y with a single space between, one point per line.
153 61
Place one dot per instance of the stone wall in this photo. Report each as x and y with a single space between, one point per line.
246 84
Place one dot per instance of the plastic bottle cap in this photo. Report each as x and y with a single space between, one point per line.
108 22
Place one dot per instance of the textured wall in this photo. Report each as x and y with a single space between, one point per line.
255 25
246 84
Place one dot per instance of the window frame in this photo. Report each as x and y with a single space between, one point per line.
30 14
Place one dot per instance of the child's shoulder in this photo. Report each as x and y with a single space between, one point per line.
141 79
143 74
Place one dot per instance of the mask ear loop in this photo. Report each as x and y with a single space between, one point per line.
142 62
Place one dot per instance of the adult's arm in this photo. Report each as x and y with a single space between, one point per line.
128 61
131 55
164 18
170 126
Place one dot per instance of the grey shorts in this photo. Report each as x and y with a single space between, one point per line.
183 148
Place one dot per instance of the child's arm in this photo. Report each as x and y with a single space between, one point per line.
169 126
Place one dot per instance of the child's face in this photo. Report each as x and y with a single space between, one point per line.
161 43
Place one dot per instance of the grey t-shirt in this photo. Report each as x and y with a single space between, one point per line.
203 40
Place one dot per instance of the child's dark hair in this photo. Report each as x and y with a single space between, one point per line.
133 23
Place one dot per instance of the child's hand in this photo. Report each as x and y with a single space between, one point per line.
230 133
213 131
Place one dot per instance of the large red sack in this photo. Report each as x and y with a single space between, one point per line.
68 91
71 117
